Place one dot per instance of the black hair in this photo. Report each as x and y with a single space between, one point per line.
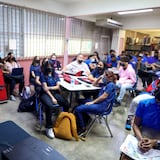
125 59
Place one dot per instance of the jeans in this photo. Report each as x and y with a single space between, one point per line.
48 104
13 80
81 110
122 88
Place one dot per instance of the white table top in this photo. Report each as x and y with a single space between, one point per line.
77 87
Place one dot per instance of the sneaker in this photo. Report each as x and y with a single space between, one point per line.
50 133
116 103
12 98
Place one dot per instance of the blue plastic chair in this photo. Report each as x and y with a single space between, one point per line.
99 117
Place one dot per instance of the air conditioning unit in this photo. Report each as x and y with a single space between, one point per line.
109 23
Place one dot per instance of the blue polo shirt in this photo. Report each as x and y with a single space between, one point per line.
110 89
50 80
149 113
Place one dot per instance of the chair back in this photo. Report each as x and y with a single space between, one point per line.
108 108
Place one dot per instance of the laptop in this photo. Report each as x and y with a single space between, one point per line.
17 71
31 148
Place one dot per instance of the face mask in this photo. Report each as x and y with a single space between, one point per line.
13 59
37 61
99 68
80 61
49 70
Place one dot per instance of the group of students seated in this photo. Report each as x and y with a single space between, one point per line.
44 81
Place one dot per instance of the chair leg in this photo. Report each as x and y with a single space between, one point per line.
40 116
89 127
107 126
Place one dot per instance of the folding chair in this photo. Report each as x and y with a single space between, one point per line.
100 117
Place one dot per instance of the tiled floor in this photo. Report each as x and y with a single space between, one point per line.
97 145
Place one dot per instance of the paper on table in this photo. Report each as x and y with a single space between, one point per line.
130 148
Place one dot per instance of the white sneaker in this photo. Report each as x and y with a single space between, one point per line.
12 98
50 133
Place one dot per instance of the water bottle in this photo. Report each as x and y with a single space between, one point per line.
72 82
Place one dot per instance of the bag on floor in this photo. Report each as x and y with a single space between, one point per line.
65 126
27 105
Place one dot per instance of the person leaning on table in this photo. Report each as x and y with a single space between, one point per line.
77 66
98 105
146 125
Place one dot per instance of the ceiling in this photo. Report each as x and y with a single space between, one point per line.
114 15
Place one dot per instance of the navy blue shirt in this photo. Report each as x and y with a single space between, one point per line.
110 89
50 80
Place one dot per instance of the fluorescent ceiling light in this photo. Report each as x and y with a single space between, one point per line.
135 11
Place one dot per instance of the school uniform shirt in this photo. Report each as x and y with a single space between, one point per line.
50 80
36 70
110 89
149 112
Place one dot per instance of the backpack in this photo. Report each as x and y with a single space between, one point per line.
27 105
153 86
65 126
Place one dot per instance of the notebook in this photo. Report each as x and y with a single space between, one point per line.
17 71
31 148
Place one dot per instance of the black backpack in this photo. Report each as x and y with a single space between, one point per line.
27 105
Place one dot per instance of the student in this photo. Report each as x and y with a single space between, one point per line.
51 95
10 64
146 125
144 95
35 68
77 66
98 105
54 62
127 78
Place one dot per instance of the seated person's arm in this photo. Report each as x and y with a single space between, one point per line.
57 87
92 78
65 69
98 99
33 75
46 89
98 81
38 80
145 144
154 66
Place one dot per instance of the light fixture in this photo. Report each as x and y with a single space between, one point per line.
135 11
